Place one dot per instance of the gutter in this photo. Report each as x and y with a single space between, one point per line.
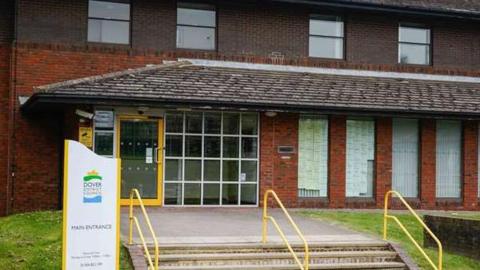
48 98
418 11
11 116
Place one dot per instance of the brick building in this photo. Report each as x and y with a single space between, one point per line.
330 103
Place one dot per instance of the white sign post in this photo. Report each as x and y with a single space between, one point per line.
91 210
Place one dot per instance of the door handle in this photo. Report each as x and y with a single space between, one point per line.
156 155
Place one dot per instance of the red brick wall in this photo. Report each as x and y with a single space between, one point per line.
383 159
38 138
258 30
456 45
371 39
370 44
427 163
4 97
470 165
262 30
337 137
51 21
6 21
279 171
154 24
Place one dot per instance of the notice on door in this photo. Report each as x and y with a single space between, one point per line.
91 214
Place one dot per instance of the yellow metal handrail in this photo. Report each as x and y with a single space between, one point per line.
152 264
386 216
282 235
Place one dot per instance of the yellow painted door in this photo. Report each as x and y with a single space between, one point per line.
140 147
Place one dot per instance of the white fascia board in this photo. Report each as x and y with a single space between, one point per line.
332 71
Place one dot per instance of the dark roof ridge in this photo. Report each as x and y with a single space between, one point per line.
116 74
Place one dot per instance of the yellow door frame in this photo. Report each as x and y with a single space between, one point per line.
150 202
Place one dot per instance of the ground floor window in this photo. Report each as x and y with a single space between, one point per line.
211 158
360 157
405 157
448 159
104 122
313 156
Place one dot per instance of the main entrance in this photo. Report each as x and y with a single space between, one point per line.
140 146
178 158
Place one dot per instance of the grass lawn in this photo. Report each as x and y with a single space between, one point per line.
34 241
372 223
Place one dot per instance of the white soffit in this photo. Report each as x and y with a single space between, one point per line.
332 71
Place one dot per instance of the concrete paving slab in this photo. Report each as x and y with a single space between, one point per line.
232 225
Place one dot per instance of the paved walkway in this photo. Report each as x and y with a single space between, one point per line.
233 225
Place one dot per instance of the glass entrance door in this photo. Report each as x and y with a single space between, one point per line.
141 151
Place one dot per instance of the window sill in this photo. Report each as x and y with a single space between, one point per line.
196 50
360 199
109 45
414 65
323 199
449 200
340 60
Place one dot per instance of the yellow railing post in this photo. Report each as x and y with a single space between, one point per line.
386 216
130 217
265 219
133 220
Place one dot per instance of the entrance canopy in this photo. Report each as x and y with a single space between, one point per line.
217 84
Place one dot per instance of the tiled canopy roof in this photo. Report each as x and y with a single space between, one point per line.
454 6
196 84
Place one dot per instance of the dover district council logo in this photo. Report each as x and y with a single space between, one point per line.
92 187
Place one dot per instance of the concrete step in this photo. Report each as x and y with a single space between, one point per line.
275 256
270 248
356 266
279 255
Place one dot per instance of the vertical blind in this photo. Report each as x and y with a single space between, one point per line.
448 159
360 158
313 157
405 157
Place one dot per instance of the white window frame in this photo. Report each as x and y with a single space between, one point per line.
129 21
400 42
322 17
221 159
198 7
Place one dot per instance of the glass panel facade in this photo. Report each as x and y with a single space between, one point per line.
360 158
405 157
219 154
448 159
312 156
326 37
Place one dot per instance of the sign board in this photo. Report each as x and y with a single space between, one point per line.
85 135
91 215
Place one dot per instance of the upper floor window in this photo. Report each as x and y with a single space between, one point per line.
196 25
414 45
109 21
326 37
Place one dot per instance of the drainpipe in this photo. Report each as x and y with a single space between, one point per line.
11 117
